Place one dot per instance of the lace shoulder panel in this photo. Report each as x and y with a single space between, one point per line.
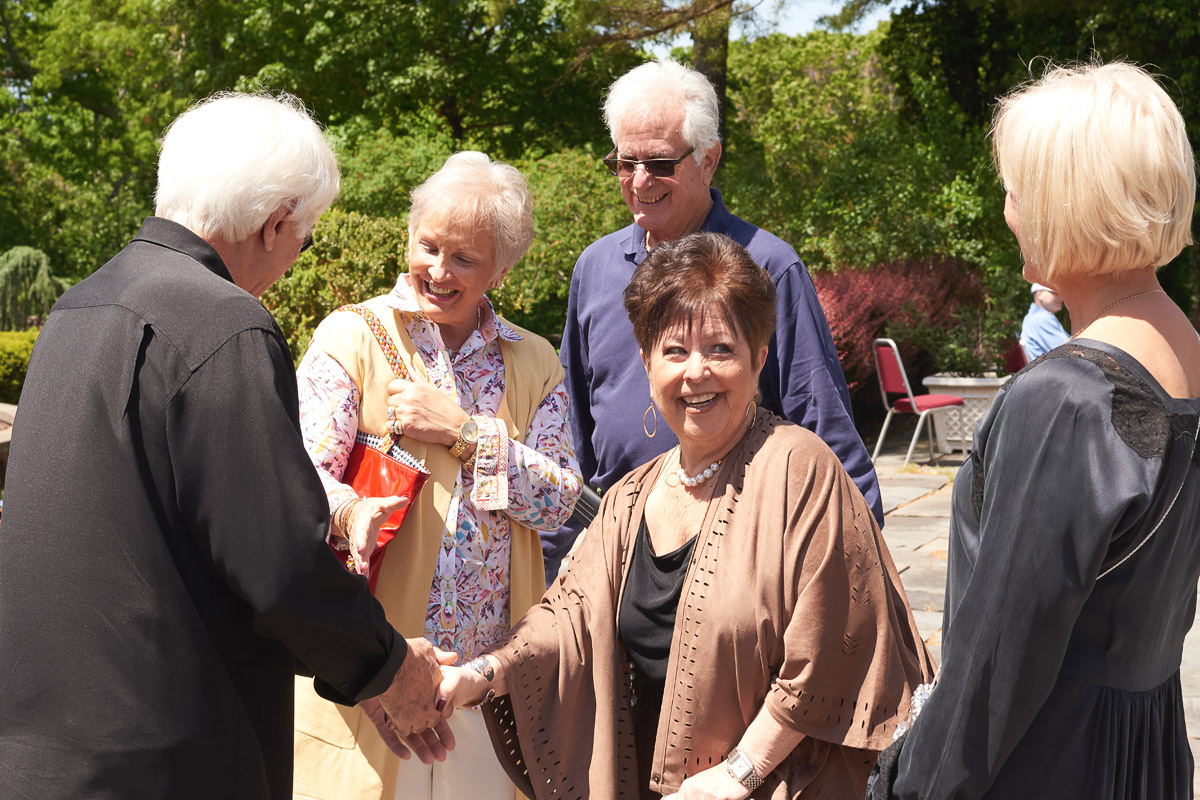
1138 414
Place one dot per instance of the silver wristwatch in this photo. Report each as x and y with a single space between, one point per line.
741 769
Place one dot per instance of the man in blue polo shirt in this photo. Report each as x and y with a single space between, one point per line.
663 118
1041 331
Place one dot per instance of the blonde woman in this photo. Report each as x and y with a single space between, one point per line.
487 413
1073 547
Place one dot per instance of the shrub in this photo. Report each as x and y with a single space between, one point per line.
575 202
354 257
15 349
885 300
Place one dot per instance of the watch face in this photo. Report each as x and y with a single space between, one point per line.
469 431
740 765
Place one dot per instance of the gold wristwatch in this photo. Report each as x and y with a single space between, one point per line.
468 434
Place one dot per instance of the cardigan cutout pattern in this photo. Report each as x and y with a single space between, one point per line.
791 601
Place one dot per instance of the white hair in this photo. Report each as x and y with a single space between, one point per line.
1099 164
233 159
470 189
657 88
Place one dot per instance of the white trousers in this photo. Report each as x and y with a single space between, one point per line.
470 772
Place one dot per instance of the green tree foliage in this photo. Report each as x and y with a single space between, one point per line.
980 49
27 288
824 153
90 85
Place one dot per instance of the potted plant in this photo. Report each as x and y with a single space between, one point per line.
969 357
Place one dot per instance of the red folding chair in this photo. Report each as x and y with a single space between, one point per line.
1016 358
899 399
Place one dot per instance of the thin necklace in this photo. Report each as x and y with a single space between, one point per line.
1116 303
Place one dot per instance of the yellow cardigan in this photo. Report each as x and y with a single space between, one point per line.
339 755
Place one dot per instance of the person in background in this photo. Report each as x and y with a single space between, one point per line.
733 621
487 413
663 119
1073 549
1041 331
163 560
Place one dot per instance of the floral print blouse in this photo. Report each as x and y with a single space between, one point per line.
534 482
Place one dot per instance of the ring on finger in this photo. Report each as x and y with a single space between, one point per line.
391 412
395 428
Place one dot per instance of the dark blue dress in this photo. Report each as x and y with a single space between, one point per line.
1065 617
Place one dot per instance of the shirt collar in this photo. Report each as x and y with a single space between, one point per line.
173 236
717 220
403 300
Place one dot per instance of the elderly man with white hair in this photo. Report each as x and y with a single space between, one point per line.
663 118
163 560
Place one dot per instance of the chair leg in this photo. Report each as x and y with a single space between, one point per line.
916 435
932 457
878 444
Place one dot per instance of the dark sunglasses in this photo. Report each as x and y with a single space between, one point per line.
658 167
308 242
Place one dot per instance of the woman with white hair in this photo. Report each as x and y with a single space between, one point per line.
1073 547
486 412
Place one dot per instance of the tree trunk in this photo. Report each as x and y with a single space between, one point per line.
710 51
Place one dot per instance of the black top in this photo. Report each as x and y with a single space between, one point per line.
647 617
1057 682
645 625
163 551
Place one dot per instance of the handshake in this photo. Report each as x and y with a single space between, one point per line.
411 715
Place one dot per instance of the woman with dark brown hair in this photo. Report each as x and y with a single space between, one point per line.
733 618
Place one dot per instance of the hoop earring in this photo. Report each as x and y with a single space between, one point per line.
754 417
650 408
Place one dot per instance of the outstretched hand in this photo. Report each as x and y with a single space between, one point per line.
366 518
379 719
462 687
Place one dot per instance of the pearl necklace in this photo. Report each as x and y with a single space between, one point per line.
692 481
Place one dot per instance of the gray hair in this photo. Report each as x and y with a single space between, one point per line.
647 91
231 160
471 189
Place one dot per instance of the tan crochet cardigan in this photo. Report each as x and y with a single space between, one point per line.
791 600
338 753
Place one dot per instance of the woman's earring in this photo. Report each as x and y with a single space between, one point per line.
753 418
650 409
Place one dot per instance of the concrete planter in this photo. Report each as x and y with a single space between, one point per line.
955 427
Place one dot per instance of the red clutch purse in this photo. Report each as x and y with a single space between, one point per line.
379 466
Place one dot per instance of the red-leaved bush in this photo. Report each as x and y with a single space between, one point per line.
862 305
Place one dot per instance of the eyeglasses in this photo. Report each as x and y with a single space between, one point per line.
308 242
658 167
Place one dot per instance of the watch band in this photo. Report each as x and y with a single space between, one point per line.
468 434
742 770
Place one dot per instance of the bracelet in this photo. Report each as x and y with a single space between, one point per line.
341 517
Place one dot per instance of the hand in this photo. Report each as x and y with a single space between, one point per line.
714 783
432 744
425 413
462 687
411 701
379 719
366 518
